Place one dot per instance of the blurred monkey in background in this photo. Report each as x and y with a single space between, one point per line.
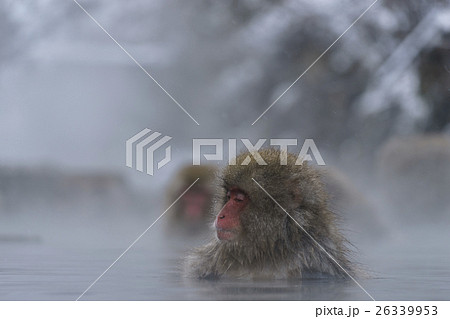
414 173
360 215
190 214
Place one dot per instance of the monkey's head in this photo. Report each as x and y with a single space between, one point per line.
193 207
245 212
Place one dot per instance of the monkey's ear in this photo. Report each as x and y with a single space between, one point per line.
296 198
295 194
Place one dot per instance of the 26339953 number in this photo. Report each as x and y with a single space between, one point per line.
407 310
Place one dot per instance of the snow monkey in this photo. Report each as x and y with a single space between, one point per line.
272 222
415 175
190 213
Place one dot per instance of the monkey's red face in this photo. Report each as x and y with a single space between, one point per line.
228 224
195 204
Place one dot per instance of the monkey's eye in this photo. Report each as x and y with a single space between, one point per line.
240 197
228 195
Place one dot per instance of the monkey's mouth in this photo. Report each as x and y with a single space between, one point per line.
226 234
